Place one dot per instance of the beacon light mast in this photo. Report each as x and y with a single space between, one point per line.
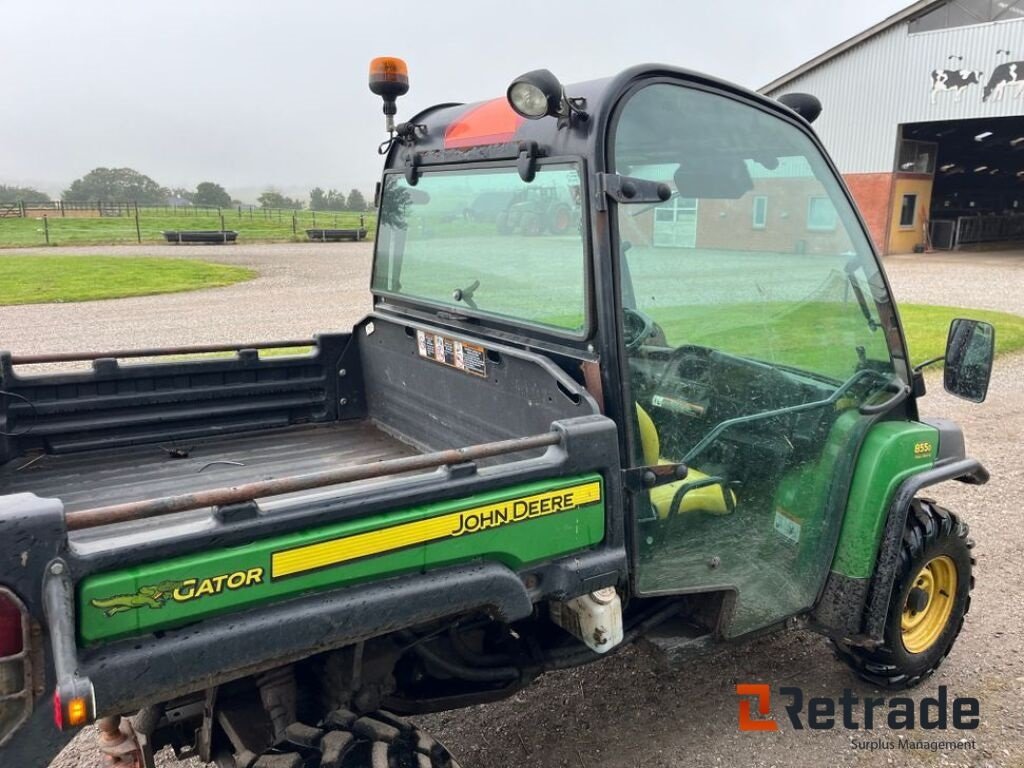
389 79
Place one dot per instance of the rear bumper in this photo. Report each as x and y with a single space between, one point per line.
132 673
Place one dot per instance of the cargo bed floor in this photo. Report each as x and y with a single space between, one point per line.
99 478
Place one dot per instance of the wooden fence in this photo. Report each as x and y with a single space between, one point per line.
62 209
59 208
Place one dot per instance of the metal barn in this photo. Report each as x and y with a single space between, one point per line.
924 115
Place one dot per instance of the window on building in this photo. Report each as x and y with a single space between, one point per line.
821 214
963 13
675 225
908 211
917 156
760 212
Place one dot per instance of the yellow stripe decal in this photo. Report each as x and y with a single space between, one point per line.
289 562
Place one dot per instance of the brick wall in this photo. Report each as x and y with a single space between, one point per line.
873 193
728 224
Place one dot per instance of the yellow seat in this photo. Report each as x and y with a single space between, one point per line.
704 498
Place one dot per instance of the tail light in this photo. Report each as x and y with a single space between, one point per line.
15 665
74 705
12 625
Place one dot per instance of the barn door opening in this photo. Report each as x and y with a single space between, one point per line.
977 196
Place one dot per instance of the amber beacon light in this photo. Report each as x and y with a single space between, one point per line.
389 79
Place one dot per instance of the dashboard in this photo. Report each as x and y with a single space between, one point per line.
691 390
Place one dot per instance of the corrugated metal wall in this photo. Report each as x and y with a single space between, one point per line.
869 90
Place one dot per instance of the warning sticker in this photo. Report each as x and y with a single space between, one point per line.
452 352
787 527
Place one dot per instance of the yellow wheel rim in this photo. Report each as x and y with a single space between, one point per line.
929 604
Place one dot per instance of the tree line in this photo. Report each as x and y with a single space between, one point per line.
126 185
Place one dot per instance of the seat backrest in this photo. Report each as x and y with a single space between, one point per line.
650 444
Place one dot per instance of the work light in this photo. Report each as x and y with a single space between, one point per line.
538 94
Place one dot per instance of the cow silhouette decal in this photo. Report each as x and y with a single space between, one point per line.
1008 75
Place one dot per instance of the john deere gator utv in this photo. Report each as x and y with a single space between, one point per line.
691 418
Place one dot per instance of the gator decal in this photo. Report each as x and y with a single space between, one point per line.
150 596
180 591
514 526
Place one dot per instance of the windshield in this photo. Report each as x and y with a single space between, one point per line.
484 242
758 252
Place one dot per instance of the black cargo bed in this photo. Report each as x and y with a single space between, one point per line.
133 473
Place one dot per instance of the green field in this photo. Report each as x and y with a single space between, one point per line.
785 308
42 279
926 327
254 225
818 337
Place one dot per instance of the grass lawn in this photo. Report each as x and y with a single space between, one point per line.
42 279
926 327
823 337
257 225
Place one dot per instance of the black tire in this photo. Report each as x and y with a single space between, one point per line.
504 227
346 740
560 219
931 532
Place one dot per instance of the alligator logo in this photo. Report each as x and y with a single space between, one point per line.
153 596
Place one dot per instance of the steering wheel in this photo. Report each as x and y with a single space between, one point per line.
637 328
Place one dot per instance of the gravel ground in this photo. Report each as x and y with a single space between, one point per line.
632 709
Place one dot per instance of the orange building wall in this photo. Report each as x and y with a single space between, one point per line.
903 239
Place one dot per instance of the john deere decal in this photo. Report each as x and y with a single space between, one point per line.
346 549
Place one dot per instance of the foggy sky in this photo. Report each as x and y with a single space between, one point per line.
251 94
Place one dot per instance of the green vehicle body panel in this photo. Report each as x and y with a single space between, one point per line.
145 598
891 452
805 492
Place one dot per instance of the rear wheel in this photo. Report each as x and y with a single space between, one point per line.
345 740
560 219
930 597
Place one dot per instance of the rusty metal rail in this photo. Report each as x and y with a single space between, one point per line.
69 357
139 510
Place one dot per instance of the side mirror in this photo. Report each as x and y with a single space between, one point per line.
970 349
804 104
